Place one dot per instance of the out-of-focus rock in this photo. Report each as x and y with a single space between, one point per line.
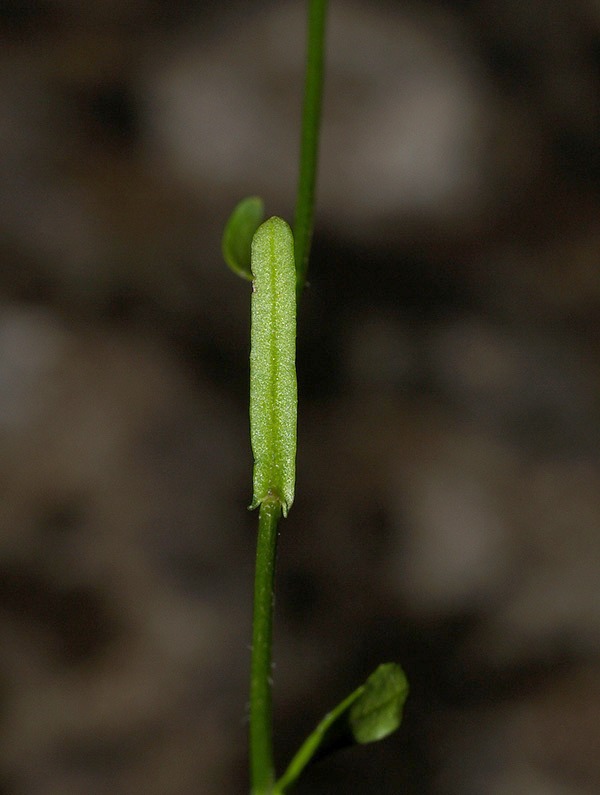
118 511
406 123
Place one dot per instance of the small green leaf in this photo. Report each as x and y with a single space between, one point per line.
378 711
237 236
369 713
273 391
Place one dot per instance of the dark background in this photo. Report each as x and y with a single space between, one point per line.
448 497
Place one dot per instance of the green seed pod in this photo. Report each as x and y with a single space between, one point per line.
273 390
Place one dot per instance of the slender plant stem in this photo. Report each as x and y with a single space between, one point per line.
309 145
262 772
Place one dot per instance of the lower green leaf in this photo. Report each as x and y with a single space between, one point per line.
369 713
378 711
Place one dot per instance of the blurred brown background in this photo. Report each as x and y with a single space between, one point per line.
448 496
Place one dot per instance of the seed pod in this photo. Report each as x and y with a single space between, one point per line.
273 390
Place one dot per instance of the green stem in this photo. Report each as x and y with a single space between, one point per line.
261 740
262 771
309 146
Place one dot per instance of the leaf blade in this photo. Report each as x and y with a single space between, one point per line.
379 710
369 713
238 233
